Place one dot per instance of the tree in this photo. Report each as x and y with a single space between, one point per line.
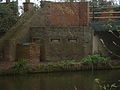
1 0
8 16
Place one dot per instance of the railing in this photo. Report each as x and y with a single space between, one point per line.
109 13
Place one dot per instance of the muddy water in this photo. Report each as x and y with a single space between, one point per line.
83 80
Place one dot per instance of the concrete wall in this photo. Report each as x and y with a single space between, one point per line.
106 47
62 43
98 47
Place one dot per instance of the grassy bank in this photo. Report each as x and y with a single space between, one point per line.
55 67
91 63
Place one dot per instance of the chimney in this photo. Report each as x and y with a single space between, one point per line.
27 0
28 6
7 1
45 3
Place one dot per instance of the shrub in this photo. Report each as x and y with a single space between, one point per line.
21 67
56 66
8 16
103 85
95 59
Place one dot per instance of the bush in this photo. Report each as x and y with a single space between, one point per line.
56 66
104 85
95 59
21 67
8 15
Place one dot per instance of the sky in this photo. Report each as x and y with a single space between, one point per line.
36 2
20 4
21 1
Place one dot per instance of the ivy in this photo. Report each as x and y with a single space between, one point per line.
8 15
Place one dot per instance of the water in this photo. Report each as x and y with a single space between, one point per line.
57 81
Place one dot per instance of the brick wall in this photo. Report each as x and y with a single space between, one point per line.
30 52
66 13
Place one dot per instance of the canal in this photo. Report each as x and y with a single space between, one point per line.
83 80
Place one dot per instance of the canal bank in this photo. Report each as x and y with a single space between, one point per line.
23 67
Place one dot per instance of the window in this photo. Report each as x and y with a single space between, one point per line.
55 40
72 40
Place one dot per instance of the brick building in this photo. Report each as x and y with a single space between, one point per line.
66 35
60 29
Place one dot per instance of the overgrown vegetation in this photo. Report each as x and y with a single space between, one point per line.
92 61
58 66
103 85
21 67
8 15
95 60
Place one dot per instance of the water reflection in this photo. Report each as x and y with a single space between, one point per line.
57 81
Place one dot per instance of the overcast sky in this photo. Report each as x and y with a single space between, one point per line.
37 2
20 3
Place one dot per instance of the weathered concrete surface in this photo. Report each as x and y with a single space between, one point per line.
62 43
107 44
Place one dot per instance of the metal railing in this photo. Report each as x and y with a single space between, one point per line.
105 13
